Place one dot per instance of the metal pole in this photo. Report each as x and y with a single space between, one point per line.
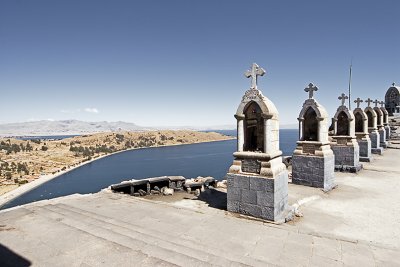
350 85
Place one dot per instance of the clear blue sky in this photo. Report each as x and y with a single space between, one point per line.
182 62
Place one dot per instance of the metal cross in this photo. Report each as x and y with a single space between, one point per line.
368 101
310 90
253 73
393 84
358 101
382 104
376 102
343 97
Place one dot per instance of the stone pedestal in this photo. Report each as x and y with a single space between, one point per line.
261 197
257 186
382 137
364 143
313 165
346 152
387 130
375 143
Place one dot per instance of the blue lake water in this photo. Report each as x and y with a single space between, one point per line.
205 159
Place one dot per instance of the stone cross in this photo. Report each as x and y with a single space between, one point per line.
343 97
310 90
253 73
382 104
358 101
376 102
368 101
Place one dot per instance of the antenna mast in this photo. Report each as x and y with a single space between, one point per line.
351 64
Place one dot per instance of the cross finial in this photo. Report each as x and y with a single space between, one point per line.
382 104
393 84
343 97
253 73
376 102
310 90
358 101
368 101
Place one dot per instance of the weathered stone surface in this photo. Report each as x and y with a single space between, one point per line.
382 137
347 156
375 143
266 198
365 149
314 171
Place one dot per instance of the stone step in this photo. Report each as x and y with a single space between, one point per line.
214 254
218 253
125 238
154 246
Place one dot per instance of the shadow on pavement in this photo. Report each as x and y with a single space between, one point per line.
10 258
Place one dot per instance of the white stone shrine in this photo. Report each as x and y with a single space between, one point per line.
385 120
361 131
313 159
373 128
257 179
344 144
381 127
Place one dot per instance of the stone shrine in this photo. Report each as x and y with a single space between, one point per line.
392 99
385 120
379 122
313 159
257 179
373 128
344 143
361 131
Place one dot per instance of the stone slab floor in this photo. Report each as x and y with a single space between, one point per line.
357 224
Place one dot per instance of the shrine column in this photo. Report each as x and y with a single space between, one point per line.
240 132
269 138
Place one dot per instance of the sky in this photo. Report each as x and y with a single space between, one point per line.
176 62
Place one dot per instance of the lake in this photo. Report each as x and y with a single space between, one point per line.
204 159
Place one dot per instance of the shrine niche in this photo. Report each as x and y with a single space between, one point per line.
361 128
392 100
381 126
371 118
342 124
310 128
313 158
359 122
257 179
385 120
254 128
344 143
374 135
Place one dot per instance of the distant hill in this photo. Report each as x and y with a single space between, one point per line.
65 127
76 127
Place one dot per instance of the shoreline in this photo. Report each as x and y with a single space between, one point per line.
14 193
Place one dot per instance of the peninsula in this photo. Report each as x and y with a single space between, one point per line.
23 161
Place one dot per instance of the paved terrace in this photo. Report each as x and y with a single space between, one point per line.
356 224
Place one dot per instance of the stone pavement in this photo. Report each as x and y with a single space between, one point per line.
356 224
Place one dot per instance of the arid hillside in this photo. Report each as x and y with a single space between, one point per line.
24 161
